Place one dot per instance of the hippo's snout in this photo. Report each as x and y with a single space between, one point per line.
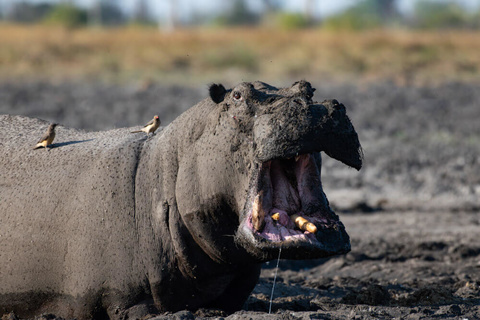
336 136
302 128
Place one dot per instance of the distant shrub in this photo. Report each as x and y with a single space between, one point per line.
24 12
67 15
352 20
365 14
475 20
240 14
433 15
109 14
291 21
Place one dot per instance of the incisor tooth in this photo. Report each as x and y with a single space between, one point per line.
258 215
303 224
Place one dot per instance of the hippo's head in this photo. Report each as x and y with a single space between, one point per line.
258 163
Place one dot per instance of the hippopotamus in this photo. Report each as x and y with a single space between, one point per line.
105 221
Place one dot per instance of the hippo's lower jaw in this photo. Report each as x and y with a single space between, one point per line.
285 189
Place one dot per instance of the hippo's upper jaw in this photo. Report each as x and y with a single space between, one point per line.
288 131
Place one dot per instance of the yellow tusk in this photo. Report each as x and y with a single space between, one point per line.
258 215
303 224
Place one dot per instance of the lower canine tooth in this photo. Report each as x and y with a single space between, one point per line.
276 216
296 158
258 215
303 224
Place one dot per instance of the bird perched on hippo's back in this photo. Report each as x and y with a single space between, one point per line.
150 127
47 138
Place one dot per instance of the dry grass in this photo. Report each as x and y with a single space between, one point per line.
205 55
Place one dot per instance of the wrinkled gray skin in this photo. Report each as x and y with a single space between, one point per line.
105 220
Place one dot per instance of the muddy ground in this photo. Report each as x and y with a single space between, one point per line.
412 212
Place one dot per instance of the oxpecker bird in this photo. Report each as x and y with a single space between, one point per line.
151 126
47 138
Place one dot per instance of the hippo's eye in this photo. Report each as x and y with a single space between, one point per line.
237 95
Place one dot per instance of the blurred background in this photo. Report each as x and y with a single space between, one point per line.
193 42
407 70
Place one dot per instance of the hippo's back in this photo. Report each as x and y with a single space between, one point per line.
65 212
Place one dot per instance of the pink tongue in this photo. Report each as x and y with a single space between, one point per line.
284 195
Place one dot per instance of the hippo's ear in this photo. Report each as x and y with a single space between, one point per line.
217 92
304 88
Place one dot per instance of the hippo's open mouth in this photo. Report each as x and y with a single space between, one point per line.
288 209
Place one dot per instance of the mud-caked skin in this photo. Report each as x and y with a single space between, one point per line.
106 220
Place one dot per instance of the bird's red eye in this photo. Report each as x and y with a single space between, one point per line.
237 96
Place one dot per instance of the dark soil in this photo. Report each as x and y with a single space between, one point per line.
412 212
